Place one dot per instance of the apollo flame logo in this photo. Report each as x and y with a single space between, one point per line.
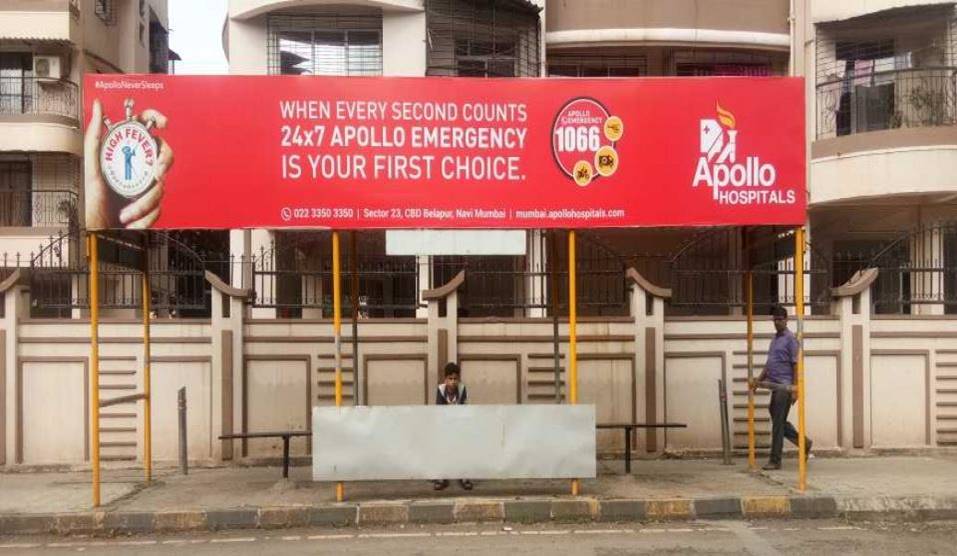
733 182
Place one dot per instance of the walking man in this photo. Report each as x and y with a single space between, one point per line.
780 375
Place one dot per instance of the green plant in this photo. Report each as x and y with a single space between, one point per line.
929 101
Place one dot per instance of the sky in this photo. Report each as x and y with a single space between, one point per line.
196 31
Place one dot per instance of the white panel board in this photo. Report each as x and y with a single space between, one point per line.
455 242
436 442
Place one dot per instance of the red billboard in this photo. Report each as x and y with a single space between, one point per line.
217 152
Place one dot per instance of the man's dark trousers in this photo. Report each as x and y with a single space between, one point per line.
781 428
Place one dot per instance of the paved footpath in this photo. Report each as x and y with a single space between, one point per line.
226 498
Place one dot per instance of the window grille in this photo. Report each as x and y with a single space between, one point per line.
334 43
597 66
483 38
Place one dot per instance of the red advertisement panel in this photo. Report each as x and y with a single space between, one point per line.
170 152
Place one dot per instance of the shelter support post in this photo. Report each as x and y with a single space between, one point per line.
95 362
799 308
354 295
337 333
147 381
572 336
752 459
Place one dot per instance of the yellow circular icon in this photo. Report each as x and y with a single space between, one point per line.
614 128
583 173
606 161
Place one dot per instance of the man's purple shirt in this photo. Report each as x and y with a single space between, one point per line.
782 357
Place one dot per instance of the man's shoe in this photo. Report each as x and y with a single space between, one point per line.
772 467
440 485
807 450
466 484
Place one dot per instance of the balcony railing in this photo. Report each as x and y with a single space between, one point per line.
857 103
35 95
37 208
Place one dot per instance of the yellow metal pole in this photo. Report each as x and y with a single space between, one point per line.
94 285
147 381
799 307
354 298
752 460
572 336
337 333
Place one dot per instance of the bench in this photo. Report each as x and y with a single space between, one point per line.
628 427
285 435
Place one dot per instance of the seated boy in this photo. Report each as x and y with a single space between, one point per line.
451 392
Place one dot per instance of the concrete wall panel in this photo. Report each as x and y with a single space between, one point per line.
167 379
691 397
54 417
898 400
277 399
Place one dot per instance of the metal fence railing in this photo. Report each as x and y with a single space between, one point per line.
887 100
37 207
59 275
708 275
35 95
916 269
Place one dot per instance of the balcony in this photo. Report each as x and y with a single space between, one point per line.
248 9
889 133
39 115
885 107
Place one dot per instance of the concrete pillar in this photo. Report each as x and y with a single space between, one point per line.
424 265
442 330
262 246
311 291
16 305
536 268
227 371
852 305
403 44
239 251
648 309
927 281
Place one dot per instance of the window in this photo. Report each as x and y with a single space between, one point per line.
15 185
477 58
105 10
16 83
597 66
723 63
159 46
483 38
333 44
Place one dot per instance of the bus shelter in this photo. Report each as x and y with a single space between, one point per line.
347 154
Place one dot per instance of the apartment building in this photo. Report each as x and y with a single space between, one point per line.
46 46
882 103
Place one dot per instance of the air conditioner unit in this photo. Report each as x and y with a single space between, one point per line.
47 68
